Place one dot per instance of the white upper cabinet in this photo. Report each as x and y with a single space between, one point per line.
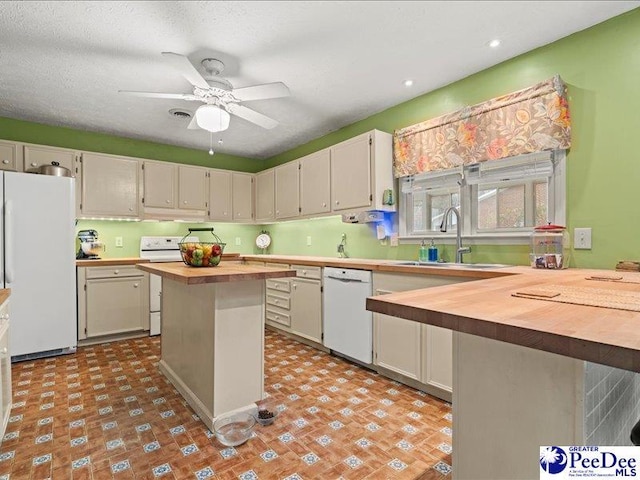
361 169
193 187
110 186
220 195
8 156
315 183
242 192
160 186
288 190
36 156
265 195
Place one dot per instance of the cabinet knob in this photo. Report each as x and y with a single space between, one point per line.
337 202
131 209
324 204
277 212
115 272
5 350
34 164
135 285
276 302
295 286
304 272
5 161
224 213
277 317
168 201
185 202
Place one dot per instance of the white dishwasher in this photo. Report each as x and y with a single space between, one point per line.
348 325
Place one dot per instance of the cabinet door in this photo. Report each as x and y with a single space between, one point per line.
315 183
242 188
288 190
351 174
265 195
8 156
220 195
306 309
398 344
116 305
35 156
437 361
160 185
193 187
110 186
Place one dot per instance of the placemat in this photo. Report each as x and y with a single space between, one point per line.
614 277
593 297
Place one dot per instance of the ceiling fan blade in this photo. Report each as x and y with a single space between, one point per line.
252 116
260 92
193 124
173 96
186 68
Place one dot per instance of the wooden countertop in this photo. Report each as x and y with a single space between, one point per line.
109 262
389 266
228 271
487 309
4 294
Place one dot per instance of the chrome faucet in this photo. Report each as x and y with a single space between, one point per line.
443 228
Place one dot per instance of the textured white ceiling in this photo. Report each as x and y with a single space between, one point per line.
63 63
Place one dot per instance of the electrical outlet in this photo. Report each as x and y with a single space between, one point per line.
238 241
582 238
308 241
119 242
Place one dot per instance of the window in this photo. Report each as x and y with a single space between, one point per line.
496 198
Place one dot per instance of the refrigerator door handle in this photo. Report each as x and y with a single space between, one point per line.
8 244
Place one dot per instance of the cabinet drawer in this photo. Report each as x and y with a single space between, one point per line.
278 317
114 272
304 271
278 301
279 285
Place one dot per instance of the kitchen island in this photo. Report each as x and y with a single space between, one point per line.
530 372
213 333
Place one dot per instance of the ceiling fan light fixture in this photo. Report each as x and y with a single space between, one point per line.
212 118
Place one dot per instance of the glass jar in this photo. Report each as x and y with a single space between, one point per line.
550 247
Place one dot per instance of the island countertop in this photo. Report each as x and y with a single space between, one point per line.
224 272
487 308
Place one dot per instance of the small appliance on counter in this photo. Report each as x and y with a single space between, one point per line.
550 247
90 246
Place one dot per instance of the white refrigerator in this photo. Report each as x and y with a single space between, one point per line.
38 263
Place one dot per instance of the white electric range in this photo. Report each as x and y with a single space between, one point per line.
159 249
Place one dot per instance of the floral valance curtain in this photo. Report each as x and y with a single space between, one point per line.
530 120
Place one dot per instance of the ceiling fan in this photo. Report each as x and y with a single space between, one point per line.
218 95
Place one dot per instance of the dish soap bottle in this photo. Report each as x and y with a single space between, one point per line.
423 253
433 252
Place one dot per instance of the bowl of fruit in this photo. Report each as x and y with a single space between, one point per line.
201 254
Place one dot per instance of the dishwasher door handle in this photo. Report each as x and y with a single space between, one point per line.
346 280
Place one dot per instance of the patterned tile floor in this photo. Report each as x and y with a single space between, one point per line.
106 412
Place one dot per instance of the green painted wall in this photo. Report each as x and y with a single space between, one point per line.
29 132
601 67
132 231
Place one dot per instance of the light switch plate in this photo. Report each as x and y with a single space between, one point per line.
308 241
119 242
238 241
582 238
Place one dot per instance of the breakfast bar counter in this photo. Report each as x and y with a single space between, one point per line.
525 370
213 333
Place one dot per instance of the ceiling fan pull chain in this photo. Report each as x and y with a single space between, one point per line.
210 143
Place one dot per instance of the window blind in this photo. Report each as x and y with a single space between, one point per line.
443 179
534 165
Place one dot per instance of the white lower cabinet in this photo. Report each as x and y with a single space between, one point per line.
5 368
294 304
112 301
414 353
306 303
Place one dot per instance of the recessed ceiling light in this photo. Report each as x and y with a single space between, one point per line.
408 83
494 43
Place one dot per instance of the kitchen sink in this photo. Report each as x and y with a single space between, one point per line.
454 265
